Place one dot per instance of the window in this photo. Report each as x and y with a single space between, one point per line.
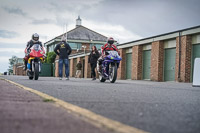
75 46
50 48
97 45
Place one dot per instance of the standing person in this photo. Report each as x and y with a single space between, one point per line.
78 71
63 50
93 57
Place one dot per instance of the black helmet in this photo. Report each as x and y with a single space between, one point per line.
110 40
35 37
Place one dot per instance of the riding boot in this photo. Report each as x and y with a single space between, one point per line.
25 67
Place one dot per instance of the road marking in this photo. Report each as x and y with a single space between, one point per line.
94 119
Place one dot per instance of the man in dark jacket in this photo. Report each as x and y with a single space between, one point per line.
63 50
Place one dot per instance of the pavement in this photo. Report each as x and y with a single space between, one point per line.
157 107
24 112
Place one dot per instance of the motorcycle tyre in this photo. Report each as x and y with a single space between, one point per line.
113 79
36 71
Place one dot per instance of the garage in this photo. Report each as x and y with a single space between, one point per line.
169 60
128 63
146 65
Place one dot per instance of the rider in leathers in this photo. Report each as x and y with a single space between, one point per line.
34 40
109 46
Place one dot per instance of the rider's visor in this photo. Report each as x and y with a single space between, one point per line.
36 38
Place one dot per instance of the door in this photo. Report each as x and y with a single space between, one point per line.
169 64
128 65
146 69
195 54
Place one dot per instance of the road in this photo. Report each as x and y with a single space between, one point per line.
158 107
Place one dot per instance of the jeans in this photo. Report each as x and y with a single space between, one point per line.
65 61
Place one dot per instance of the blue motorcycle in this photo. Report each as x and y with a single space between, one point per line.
109 67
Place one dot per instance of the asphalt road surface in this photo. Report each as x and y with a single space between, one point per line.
157 107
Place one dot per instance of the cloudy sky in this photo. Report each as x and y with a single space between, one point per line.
125 20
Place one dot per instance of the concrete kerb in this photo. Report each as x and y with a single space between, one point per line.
94 119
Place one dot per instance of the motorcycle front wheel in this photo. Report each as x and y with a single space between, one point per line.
36 71
113 74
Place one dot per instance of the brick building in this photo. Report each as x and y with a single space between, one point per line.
81 40
166 57
18 67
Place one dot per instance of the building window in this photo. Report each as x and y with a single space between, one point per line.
75 46
97 45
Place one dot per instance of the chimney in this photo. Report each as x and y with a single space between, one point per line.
78 21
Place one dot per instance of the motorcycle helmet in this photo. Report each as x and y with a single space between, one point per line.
35 37
110 40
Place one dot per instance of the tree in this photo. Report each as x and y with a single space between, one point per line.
51 57
12 62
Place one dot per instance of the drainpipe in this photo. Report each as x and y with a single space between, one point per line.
179 63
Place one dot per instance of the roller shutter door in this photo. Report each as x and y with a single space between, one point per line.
169 64
128 65
146 64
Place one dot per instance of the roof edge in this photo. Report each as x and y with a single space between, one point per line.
160 35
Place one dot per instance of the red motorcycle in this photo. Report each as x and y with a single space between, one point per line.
36 57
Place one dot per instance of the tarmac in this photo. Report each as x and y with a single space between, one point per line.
24 112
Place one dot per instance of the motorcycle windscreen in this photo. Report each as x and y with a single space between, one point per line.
114 55
36 51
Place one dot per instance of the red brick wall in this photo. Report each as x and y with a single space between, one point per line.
137 62
157 55
71 67
74 52
87 73
185 66
18 70
87 46
56 68
14 69
121 73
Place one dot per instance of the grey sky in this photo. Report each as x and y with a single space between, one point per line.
125 20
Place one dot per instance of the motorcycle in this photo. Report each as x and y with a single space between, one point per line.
36 57
109 67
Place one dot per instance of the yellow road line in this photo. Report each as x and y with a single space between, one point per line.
95 119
